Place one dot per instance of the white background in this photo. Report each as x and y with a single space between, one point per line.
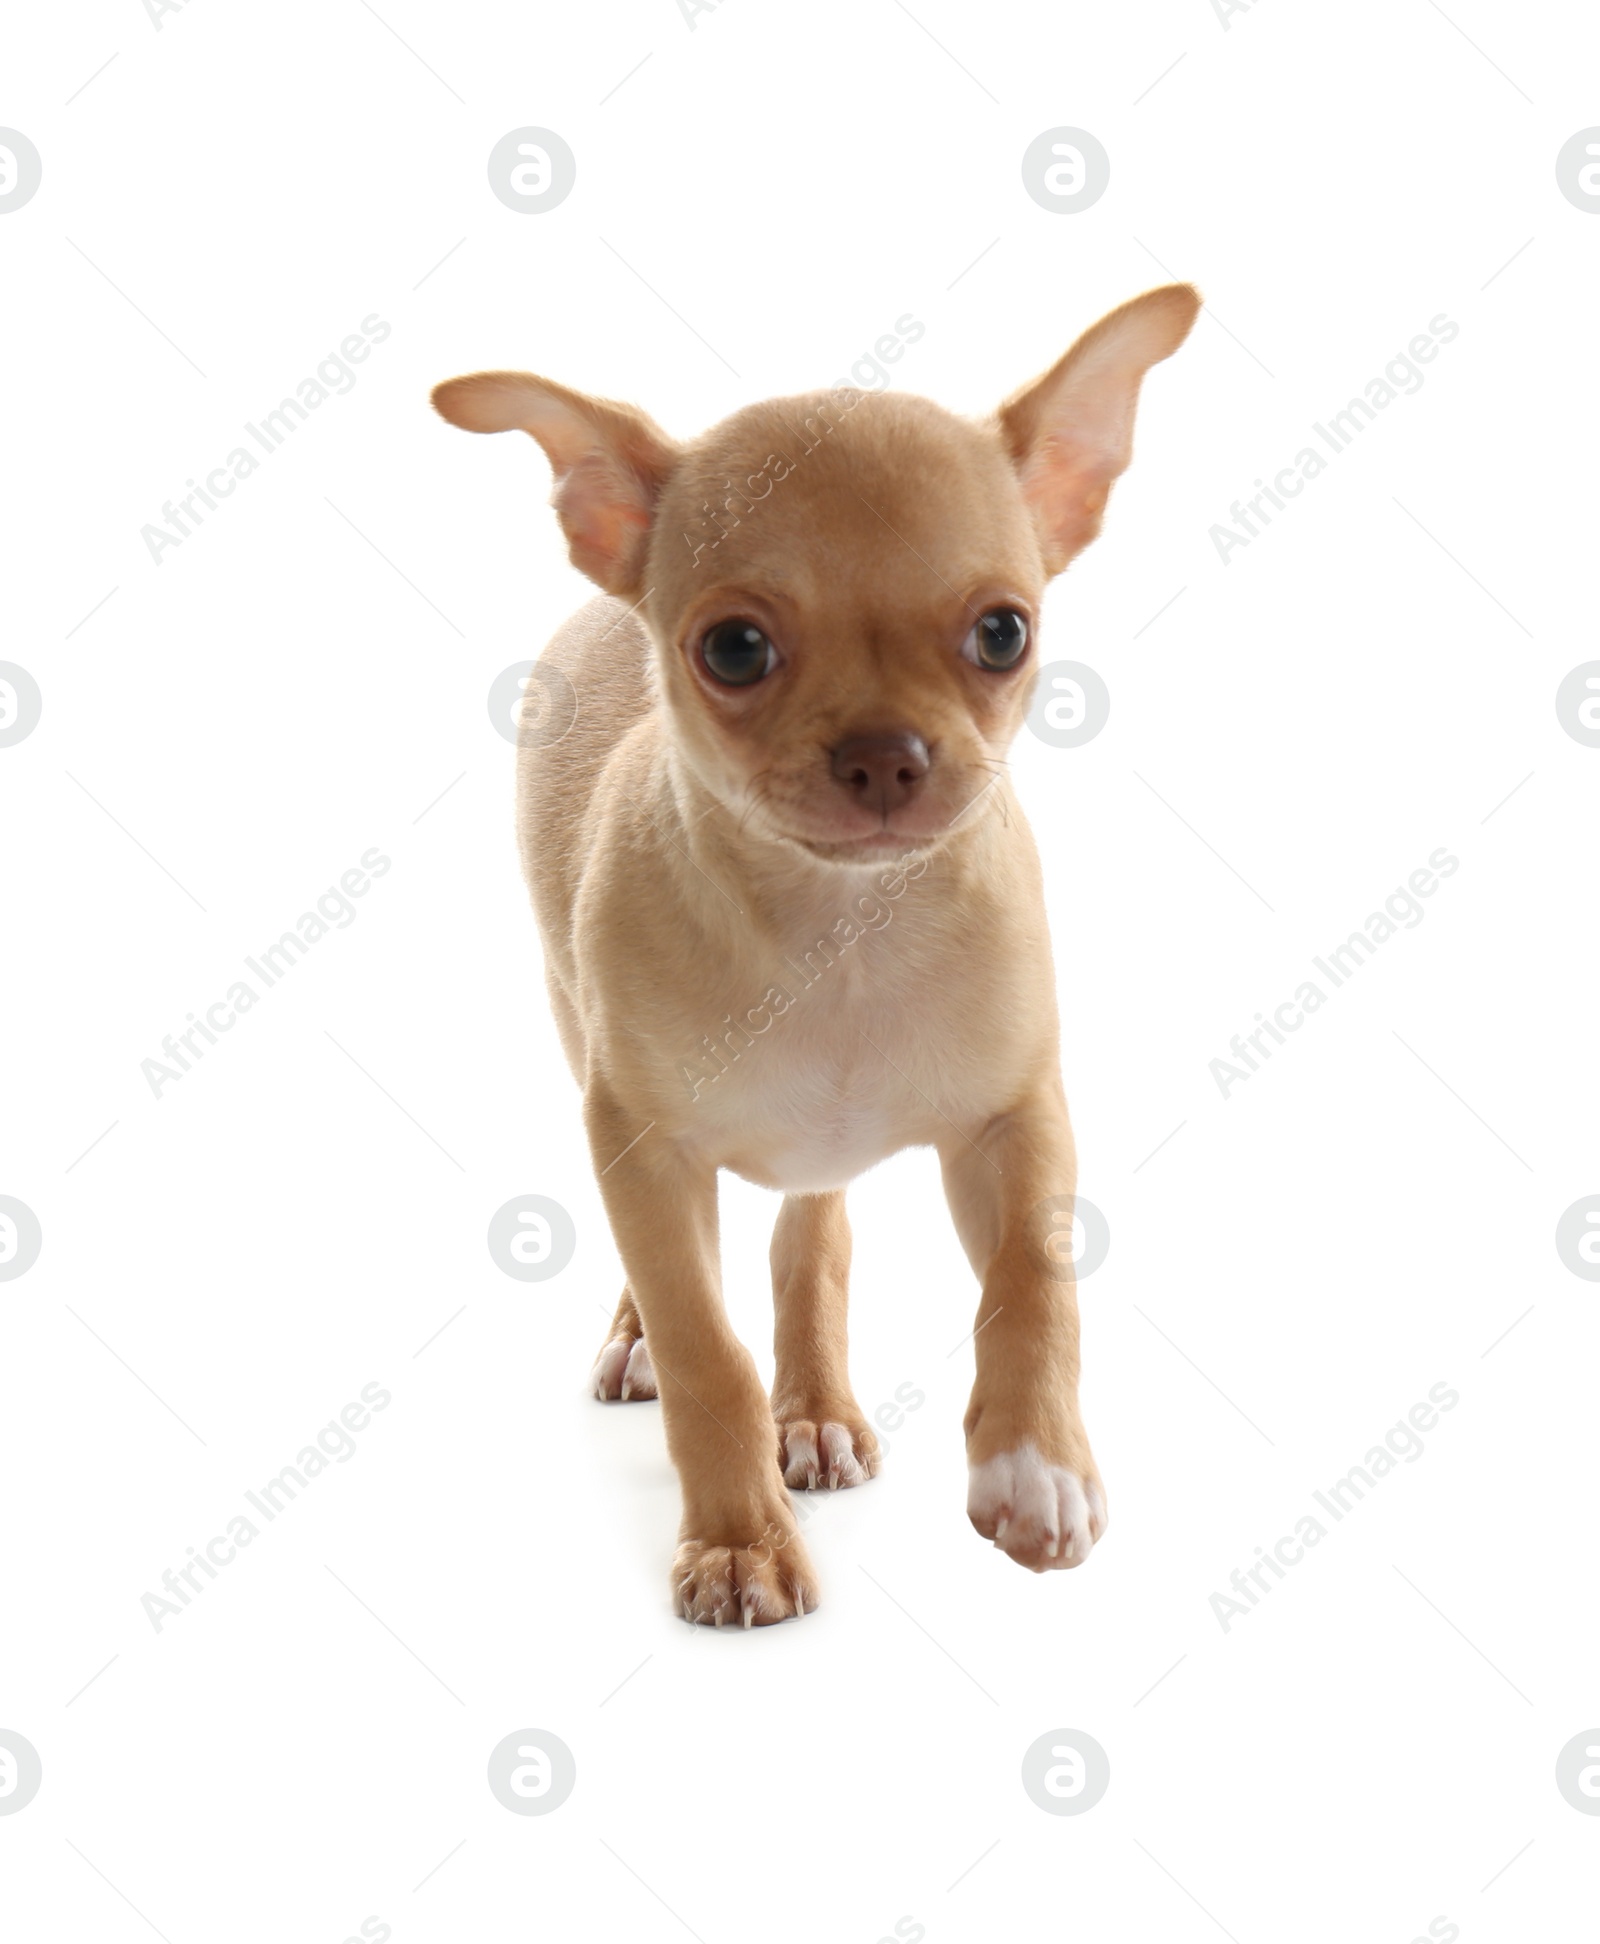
1368 1216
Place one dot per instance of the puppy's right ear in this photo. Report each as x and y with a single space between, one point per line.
610 462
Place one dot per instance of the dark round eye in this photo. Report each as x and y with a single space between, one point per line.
1000 639
738 653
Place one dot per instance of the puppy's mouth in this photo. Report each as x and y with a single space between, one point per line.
839 833
843 834
870 849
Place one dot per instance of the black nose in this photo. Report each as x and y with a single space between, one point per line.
883 771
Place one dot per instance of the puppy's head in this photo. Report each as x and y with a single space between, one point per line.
844 588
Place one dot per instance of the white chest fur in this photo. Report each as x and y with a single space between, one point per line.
854 1048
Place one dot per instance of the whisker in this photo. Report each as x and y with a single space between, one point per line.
756 791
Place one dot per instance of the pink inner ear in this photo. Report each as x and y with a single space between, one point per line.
605 511
1066 484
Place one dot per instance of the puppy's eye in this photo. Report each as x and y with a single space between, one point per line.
737 653
999 641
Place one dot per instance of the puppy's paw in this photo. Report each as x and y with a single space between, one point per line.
622 1371
1043 1515
817 1457
744 1586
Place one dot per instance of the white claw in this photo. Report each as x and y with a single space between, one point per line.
749 1615
638 1375
799 1603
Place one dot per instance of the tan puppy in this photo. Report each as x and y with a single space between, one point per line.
792 914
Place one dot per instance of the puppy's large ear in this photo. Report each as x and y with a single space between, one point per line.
610 462
1070 433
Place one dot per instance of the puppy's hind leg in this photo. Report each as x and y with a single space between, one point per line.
622 1370
823 1439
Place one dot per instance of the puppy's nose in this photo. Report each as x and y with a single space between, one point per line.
883 771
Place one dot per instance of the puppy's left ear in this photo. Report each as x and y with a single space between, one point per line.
1070 433
610 462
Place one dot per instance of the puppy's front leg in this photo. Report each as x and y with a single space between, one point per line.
1032 1484
823 1437
740 1558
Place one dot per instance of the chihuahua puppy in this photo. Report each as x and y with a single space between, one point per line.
784 726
